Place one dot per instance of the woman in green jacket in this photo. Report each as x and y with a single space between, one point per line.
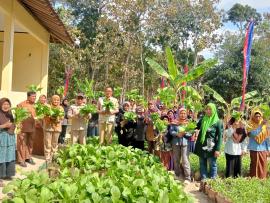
209 141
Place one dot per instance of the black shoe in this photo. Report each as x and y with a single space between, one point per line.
30 161
23 164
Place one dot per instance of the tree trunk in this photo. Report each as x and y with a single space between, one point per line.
143 68
126 73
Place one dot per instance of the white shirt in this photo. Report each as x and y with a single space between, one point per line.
107 117
231 147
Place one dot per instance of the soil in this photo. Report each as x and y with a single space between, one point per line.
193 190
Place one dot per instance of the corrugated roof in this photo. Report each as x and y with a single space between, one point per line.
44 13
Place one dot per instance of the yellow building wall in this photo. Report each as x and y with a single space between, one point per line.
27 62
1 55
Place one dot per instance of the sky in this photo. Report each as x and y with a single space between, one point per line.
261 6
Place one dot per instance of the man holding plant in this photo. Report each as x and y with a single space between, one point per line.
78 121
27 132
107 108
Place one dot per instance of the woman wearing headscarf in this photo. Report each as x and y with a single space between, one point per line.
151 133
258 132
180 146
234 137
7 141
209 141
52 129
119 128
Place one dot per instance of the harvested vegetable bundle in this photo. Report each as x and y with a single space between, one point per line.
42 110
108 105
33 88
56 113
154 117
160 125
130 116
87 109
20 114
190 127
237 115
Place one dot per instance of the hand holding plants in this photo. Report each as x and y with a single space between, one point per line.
216 154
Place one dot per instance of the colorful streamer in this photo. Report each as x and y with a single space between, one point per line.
246 63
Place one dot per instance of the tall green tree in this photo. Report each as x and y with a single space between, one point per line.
240 15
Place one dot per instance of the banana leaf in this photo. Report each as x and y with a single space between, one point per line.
156 67
197 72
172 68
248 96
20 114
191 93
130 116
87 109
216 95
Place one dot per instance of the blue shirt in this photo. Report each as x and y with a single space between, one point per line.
183 141
254 146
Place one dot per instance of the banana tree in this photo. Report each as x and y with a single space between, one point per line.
233 106
85 86
167 96
175 77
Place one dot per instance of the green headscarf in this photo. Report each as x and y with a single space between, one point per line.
208 121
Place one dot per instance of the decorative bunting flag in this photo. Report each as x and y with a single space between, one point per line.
246 63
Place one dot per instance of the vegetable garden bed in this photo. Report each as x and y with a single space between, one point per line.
93 173
248 190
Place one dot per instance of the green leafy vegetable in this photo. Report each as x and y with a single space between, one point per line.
20 114
34 88
190 127
108 104
130 116
87 109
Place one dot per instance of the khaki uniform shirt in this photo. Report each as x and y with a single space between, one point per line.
77 122
28 125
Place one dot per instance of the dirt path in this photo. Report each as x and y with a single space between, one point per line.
193 189
39 160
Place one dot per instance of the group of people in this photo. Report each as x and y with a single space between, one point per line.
172 146
49 130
